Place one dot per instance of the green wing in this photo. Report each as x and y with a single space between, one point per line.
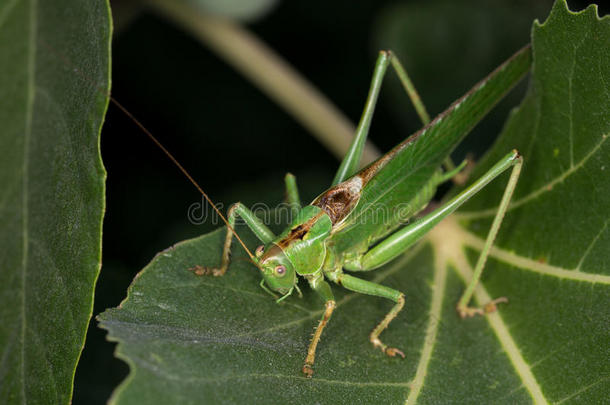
400 183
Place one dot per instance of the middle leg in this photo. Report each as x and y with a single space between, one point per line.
367 287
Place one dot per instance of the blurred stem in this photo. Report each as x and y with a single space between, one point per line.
270 73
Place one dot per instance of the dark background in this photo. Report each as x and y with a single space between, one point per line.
238 144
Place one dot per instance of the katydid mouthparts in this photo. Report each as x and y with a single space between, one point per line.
341 229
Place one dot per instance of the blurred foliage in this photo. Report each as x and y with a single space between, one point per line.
243 10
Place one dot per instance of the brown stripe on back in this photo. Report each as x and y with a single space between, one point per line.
338 201
299 231
369 172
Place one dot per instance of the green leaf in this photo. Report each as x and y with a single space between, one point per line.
191 339
52 183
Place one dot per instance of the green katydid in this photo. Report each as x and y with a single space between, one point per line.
361 221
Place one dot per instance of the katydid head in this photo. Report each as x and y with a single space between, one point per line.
278 272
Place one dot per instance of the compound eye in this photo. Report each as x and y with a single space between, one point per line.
280 270
259 251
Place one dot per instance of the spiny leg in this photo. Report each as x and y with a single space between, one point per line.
461 177
292 195
367 287
263 233
351 161
323 289
374 337
462 306
313 344
451 174
407 84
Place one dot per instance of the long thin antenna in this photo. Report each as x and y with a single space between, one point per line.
183 170
150 135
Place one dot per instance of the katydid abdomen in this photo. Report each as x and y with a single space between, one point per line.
363 227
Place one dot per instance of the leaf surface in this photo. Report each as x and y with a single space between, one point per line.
52 183
191 339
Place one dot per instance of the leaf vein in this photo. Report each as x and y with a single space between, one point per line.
6 11
583 389
593 243
541 190
439 283
24 202
158 371
473 241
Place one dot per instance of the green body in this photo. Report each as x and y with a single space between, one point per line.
314 243
366 218
371 204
